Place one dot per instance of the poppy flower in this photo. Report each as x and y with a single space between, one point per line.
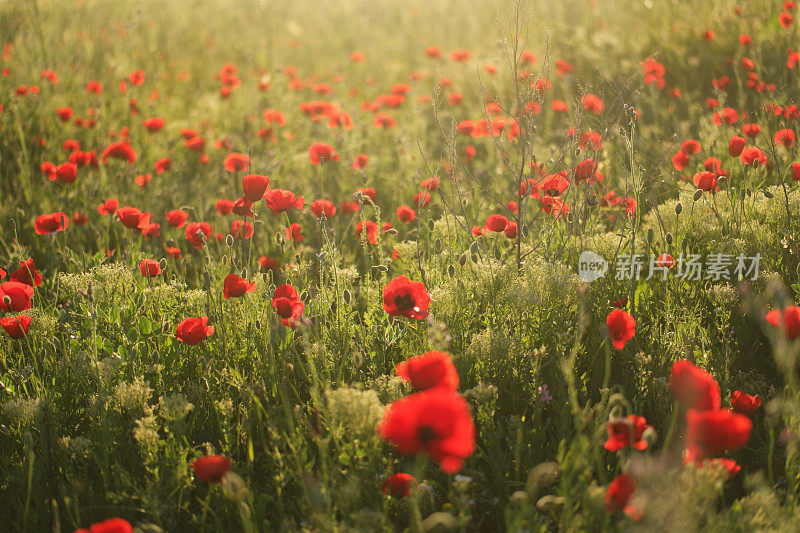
241 229
154 124
15 296
177 218
496 223
195 144
67 172
16 326
786 137
619 494
694 387
680 160
120 150
236 161
129 216
27 274
143 179
435 422
280 200
174 253
403 297
751 154
406 214
234 286
193 330
294 233
51 223
287 305
796 171
211 468
372 231
627 431
785 19
510 230
744 403
224 206
320 152
360 162
243 207
268 263
712 432
254 186
736 145
322 207
368 192
398 485
149 268
592 103
64 113
586 170
94 86
197 233
112 525
160 166
621 327
432 370
705 181
109 207
788 321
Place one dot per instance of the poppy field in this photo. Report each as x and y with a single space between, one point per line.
399 266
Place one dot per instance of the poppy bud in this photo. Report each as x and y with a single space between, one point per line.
678 208
229 240
451 271
289 367
519 498
462 259
749 192
698 194
650 435
542 475
756 163
650 235
768 194
346 296
474 258
669 238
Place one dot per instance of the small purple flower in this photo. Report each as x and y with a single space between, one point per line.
544 393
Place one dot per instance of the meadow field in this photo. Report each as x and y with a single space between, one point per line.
383 265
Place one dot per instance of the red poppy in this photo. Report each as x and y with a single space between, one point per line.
241 229
322 207
64 113
149 268
280 200
15 296
194 330
254 186
785 19
398 485
197 233
712 432
786 137
496 223
751 154
234 286
243 207
51 223
406 214
744 403
694 387
130 216
628 431
112 525
796 171
705 181
403 297
736 145
680 160
621 327
143 179
211 468
432 370
619 494
268 263
109 207
120 150
174 253
16 326
288 305
294 233
510 230
177 218
195 144
360 162
435 422
592 103
160 166
224 206
788 321
27 274
372 231
320 152
153 124
235 162
67 172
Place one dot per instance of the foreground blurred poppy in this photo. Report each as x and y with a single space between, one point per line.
112 525
398 485
627 431
193 330
211 468
432 370
788 321
712 432
694 387
403 297
435 422
619 493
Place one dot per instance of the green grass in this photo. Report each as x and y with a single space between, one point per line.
103 410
